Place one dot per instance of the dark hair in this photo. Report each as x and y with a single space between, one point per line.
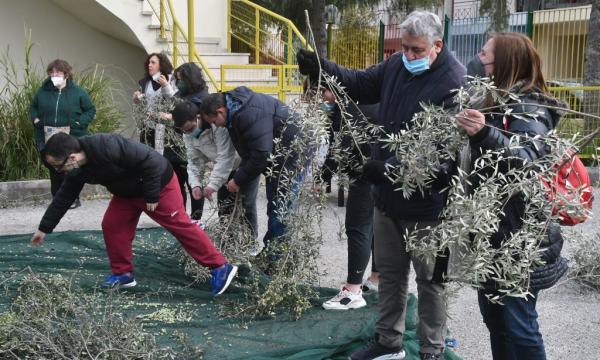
183 112
60 146
211 103
192 75
164 63
516 59
60 65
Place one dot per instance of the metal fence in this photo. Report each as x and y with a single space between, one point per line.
356 47
560 36
359 48
586 100
466 36
267 36
281 81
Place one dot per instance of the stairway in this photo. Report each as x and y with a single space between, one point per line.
213 53
135 22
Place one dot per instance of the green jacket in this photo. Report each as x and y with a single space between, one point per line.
70 106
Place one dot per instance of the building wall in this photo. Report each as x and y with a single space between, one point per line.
210 18
57 34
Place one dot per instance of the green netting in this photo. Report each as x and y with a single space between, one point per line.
165 301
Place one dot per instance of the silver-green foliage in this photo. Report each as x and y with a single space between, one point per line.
585 255
148 114
51 318
471 216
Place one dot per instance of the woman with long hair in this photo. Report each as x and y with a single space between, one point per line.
513 64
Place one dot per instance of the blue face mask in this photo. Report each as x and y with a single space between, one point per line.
417 66
196 133
327 107
198 130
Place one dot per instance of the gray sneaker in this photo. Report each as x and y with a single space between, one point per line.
369 287
345 300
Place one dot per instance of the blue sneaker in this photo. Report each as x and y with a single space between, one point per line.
122 280
221 278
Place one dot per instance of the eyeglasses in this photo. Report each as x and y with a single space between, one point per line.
60 168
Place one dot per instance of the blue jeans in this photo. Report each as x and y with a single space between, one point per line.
359 230
514 330
275 196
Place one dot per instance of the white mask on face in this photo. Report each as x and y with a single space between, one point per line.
156 76
57 80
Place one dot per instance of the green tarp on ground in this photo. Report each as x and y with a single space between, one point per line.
166 302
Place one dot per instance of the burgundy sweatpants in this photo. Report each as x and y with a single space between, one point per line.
122 216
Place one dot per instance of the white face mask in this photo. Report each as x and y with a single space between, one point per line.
58 81
156 76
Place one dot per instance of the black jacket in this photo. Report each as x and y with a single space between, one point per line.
127 169
399 94
254 125
348 146
496 138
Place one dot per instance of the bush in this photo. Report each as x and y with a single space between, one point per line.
19 158
586 255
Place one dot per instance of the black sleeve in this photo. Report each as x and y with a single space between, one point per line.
257 132
143 160
363 86
530 145
68 192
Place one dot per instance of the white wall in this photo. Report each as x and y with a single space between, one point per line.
57 34
210 20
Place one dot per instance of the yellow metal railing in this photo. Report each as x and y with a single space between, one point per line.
168 20
560 35
280 80
584 99
356 48
269 37
272 37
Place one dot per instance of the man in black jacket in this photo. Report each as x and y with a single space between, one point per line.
141 180
255 122
425 72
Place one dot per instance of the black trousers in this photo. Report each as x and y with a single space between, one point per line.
197 205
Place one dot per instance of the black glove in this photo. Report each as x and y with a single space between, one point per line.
374 172
308 63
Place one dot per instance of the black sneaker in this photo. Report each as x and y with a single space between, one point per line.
376 351
428 356
75 204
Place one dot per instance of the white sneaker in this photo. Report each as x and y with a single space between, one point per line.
345 300
369 287
253 250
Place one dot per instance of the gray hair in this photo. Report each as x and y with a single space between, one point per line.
423 24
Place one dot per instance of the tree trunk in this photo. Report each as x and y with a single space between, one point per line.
592 67
317 22
532 5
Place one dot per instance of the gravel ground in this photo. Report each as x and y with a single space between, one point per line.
569 313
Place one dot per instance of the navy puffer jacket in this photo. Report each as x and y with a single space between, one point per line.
259 120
